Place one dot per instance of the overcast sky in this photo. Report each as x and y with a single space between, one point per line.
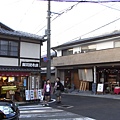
75 22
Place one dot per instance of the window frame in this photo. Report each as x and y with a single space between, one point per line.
12 48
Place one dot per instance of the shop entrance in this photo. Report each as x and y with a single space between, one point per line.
110 78
13 87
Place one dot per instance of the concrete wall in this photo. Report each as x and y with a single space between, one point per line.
101 56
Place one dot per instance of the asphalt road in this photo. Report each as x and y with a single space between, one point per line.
93 107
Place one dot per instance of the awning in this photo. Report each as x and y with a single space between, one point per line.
13 74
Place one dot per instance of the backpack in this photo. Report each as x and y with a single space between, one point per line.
62 87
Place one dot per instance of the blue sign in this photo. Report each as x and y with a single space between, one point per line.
45 59
25 82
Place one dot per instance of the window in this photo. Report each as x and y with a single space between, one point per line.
8 48
88 48
84 49
67 52
117 43
92 48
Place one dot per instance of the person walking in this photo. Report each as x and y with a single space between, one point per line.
57 88
47 92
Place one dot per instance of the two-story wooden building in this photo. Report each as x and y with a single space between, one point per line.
20 54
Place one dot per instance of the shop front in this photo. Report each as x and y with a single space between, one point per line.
14 84
110 78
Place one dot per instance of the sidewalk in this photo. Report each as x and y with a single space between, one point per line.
90 94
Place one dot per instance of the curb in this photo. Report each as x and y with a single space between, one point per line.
117 97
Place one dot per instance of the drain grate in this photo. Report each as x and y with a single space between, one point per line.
65 106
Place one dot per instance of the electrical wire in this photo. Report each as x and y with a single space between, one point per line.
59 14
96 29
83 21
25 13
17 1
39 25
70 8
109 7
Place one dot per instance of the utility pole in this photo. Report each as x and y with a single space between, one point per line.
48 41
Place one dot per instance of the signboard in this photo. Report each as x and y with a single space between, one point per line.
35 94
39 94
4 89
32 94
32 83
45 59
27 94
100 87
25 82
30 64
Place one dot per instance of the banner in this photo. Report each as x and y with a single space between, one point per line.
27 94
94 1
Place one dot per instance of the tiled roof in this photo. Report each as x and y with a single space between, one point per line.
9 68
8 31
20 34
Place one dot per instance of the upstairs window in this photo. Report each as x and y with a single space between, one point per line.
8 48
88 48
67 52
117 44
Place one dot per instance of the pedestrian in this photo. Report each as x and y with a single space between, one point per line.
43 95
57 88
47 92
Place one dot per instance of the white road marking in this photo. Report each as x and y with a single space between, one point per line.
49 113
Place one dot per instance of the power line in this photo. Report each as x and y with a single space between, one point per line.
96 29
17 1
26 12
59 14
40 25
82 21
70 8
109 7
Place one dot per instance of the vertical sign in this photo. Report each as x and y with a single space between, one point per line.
39 94
32 94
32 82
27 94
35 94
